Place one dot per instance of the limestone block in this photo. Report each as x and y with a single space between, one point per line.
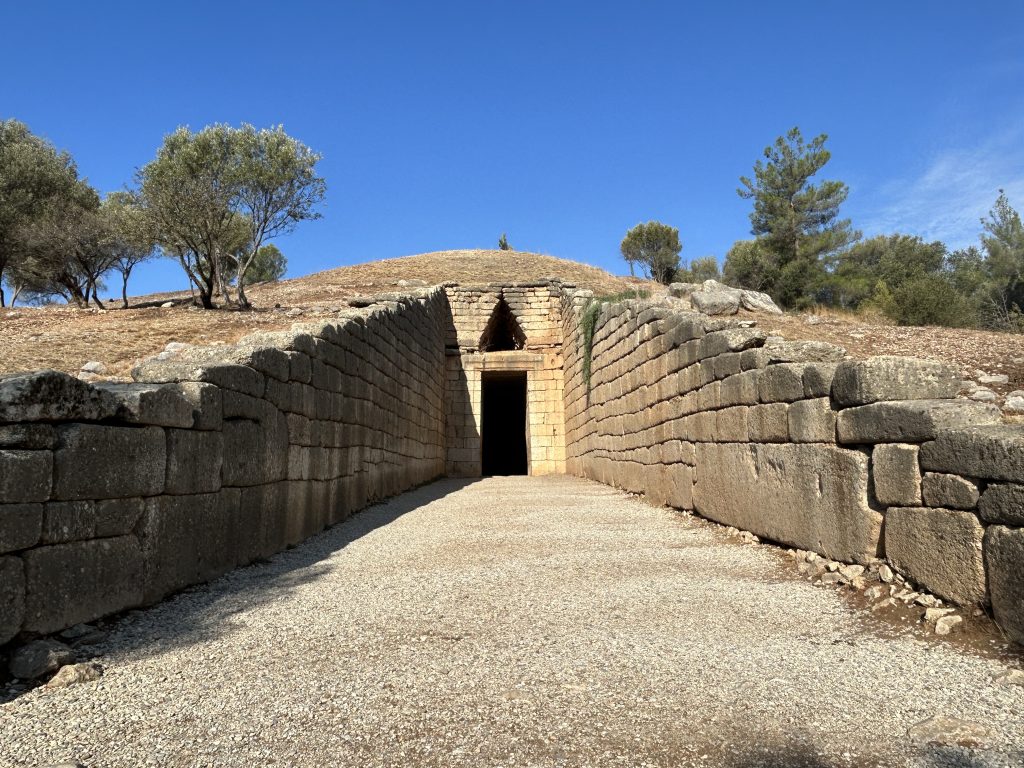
187 540
740 389
194 460
751 359
905 421
207 410
993 452
779 350
731 424
68 584
818 379
896 476
12 597
950 491
25 475
299 368
768 423
808 496
157 404
116 517
859 382
782 383
21 526
1003 503
101 462
68 521
716 302
51 396
254 452
731 340
29 437
1004 556
726 365
238 378
812 421
939 549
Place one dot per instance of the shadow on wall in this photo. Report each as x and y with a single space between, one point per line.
208 611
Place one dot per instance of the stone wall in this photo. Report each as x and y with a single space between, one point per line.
795 442
115 495
536 309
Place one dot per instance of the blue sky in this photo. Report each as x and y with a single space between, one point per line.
444 124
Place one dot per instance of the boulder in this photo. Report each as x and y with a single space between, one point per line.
716 302
909 421
73 674
39 658
756 301
51 396
859 382
939 549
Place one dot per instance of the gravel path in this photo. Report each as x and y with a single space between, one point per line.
514 622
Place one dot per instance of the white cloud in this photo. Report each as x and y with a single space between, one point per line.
946 201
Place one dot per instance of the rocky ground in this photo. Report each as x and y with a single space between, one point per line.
527 621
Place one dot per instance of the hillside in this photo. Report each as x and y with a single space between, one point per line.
65 338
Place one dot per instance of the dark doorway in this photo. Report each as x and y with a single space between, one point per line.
502 333
504 424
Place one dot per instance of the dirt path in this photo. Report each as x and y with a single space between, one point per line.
514 622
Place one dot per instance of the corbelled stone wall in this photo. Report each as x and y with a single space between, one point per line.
114 495
793 441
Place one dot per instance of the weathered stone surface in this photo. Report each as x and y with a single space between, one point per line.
859 382
51 396
1002 503
950 491
194 461
756 301
768 423
809 496
29 437
12 597
683 290
157 404
68 584
950 731
783 351
782 383
68 521
25 475
716 302
116 517
812 421
1004 556
255 452
73 674
207 412
187 540
939 549
994 452
40 657
103 462
238 378
20 526
905 421
895 475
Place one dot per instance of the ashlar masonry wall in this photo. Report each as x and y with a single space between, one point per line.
115 495
536 311
797 443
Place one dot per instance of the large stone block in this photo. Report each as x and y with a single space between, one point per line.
895 475
1002 503
12 597
189 539
768 423
950 491
68 584
812 421
25 476
194 461
993 452
909 421
68 521
156 404
780 350
782 383
255 452
1004 556
20 526
29 437
859 382
238 378
809 496
116 517
939 549
101 462
52 396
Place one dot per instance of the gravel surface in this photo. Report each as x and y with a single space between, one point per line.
515 622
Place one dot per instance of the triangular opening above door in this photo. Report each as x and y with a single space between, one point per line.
502 332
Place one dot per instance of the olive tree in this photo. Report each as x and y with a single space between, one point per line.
655 247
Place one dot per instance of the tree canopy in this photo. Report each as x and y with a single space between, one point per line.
796 223
655 247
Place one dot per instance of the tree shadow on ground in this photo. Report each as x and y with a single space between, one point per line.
207 611
800 755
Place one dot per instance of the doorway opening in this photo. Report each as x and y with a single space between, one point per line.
504 424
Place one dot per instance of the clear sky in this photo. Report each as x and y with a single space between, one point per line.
444 124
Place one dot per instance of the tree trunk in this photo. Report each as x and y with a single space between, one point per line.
124 288
243 300
2 299
96 298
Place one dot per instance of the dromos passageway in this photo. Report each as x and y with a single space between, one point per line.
509 622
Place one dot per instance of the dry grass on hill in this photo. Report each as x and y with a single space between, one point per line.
65 338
